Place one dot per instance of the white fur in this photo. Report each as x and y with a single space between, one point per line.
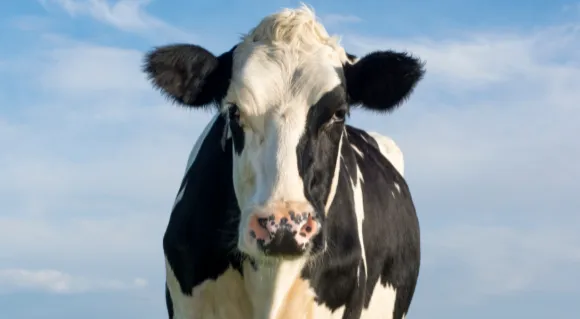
280 69
382 303
357 151
360 214
390 150
334 182
269 288
223 298
381 306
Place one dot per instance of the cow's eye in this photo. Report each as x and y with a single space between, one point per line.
339 115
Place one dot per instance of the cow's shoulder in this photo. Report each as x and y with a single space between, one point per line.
369 144
200 235
390 150
390 228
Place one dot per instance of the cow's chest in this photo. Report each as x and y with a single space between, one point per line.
258 294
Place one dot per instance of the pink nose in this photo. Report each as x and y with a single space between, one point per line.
284 228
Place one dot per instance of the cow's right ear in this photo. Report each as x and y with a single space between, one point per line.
189 74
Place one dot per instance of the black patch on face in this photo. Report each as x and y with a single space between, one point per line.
318 147
317 151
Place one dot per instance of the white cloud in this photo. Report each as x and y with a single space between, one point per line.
90 169
333 19
78 68
493 107
31 23
572 7
478 60
125 15
54 281
495 261
92 95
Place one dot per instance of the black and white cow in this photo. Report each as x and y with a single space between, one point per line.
286 212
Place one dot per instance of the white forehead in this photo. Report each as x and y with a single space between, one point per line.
287 62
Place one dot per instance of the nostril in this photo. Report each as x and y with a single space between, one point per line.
309 227
258 229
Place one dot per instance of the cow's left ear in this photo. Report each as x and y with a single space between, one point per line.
382 80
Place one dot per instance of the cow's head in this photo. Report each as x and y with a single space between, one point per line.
285 91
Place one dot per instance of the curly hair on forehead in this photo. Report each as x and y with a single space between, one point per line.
296 28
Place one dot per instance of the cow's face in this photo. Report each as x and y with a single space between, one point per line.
285 91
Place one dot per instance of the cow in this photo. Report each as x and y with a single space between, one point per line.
285 211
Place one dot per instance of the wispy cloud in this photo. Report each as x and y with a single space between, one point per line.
476 59
125 15
119 71
81 145
501 260
31 23
333 19
54 281
572 7
491 101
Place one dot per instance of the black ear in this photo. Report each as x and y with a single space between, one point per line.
383 80
189 74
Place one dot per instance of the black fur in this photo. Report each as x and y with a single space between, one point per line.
382 80
317 152
189 74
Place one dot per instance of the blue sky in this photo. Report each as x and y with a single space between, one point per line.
93 156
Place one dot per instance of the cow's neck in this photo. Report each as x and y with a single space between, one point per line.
277 291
